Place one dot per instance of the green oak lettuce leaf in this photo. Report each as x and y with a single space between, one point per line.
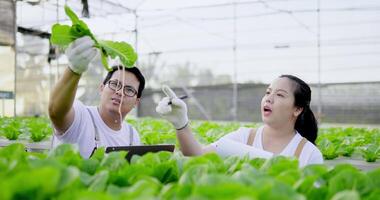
60 35
41 183
99 182
346 194
79 27
63 35
374 175
122 50
74 18
375 195
145 188
113 161
349 179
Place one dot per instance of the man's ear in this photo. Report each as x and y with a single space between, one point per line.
297 111
101 87
137 102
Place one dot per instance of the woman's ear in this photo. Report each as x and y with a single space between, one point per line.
297 111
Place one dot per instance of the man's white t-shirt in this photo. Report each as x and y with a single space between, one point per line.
82 131
310 154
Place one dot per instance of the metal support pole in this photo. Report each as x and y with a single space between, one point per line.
15 56
3 107
136 50
136 33
319 63
235 84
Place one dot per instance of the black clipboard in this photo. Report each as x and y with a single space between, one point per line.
141 149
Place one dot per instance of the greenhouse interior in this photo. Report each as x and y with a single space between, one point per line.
202 99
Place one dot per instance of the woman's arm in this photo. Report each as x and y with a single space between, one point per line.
174 110
189 144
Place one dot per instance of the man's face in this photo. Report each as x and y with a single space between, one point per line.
120 93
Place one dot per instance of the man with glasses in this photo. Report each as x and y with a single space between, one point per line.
90 127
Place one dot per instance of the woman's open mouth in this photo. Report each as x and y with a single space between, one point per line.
267 111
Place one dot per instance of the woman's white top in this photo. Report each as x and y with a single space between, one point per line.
235 143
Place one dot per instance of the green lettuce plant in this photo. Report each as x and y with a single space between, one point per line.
38 129
371 152
63 35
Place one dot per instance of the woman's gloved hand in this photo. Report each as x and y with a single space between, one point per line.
176 111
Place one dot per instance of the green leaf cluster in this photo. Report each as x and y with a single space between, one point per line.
63 174
63 35
31 128
356 143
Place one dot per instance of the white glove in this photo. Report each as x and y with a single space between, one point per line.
80 53
176 113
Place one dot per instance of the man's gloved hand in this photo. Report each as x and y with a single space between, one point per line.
176 112
80 53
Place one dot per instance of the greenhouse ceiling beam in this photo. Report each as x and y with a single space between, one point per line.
5 44
66 20
34 32
120 6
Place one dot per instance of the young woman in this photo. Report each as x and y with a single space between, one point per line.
289 126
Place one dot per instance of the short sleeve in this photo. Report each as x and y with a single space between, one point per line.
136 138
315 157
72 133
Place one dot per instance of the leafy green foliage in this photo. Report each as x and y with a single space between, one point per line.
63 174
11 129
122 50
63 35
328 149
38 129
350 179
371 152
335 142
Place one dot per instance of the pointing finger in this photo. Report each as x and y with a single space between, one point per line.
169 92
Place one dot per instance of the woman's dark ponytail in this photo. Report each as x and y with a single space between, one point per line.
306 124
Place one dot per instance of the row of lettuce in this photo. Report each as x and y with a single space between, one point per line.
63 174
33 129
333 142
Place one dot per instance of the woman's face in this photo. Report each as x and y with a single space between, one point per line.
277 105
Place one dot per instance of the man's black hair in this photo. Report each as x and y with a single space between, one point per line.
133 70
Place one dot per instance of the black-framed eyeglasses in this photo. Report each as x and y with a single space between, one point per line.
116 86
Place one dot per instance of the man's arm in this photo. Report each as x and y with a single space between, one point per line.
79 53
61 100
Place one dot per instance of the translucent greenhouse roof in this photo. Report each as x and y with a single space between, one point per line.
271 37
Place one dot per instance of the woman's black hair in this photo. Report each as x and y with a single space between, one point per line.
133 70
306 124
